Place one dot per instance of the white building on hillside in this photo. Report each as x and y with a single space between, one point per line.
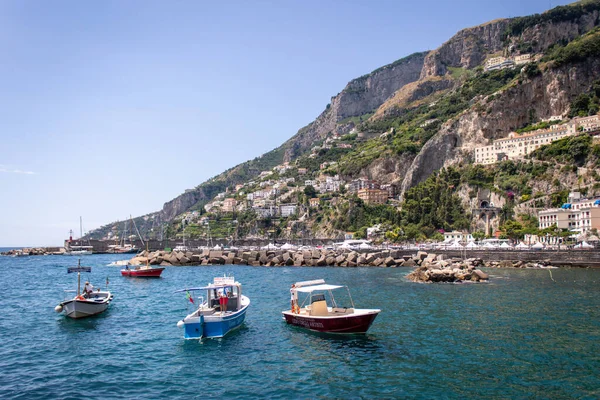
516 146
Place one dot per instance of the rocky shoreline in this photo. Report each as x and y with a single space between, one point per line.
34 251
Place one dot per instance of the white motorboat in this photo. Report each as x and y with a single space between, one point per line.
86 304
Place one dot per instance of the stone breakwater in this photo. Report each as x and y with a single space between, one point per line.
33 251
431 267
274 258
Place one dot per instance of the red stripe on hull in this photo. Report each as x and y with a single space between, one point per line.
345 324
143 273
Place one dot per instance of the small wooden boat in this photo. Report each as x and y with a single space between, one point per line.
316 315
142 272
215 316
84 305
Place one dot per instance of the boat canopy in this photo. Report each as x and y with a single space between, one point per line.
308 289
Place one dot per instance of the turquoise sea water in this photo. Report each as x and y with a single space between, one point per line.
525 334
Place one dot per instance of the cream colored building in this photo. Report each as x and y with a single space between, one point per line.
229 205
588 124
498 63
554 216
373 196
579 215
516 146
522 59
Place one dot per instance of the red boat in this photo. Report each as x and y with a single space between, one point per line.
318 316
143 272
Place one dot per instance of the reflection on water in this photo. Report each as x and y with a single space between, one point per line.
70 325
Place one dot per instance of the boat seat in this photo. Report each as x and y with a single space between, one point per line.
319 308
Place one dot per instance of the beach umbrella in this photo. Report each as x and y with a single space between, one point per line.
522 246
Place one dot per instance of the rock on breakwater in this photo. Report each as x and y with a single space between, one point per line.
435 268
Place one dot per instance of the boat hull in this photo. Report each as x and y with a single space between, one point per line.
214 326
359 323
85 308
142 273
78 253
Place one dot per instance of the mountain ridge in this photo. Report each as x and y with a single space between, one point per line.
429 73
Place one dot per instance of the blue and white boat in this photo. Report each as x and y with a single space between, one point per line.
222 310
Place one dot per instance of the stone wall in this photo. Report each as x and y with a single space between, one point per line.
347 258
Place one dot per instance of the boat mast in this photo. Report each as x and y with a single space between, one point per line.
137 230
78 277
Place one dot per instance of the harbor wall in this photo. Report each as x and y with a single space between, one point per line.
378 258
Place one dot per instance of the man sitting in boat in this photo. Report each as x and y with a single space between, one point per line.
87 289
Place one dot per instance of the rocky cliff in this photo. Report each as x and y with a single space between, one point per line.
547 94
467 49
360 96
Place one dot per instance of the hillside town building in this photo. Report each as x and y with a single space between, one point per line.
457 235
362 183
373 196
390 188
229 205
517 146
288 209
578 215
497 63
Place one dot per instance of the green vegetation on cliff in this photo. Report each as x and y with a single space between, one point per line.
578 50
558 14
409 129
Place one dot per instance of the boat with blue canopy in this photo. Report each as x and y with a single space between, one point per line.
221 310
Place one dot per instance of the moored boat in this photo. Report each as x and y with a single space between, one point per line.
84 304
142 272
145 271
221 311
316 315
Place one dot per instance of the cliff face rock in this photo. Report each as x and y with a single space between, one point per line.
412 94
467 49
361 96
542 36
388 170
470 47
180 204
545 95
367 93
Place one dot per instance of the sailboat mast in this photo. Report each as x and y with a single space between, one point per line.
137 230
78 277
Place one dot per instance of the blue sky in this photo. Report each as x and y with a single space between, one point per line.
112 108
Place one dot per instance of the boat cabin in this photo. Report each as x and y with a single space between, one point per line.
221 287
